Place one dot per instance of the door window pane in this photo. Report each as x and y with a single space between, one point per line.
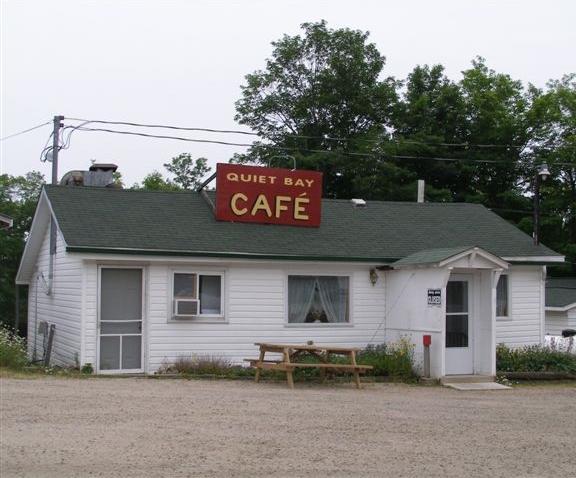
457 296
110 353
120 327
457 330
210 294
131 352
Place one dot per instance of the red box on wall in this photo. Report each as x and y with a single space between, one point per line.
427 340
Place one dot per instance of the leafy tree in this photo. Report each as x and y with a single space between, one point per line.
553 140
187 173
496 114
316 88
156 182
18 198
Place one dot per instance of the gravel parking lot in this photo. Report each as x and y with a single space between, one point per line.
137 427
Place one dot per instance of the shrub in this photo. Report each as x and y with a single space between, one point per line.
12 349
534 358
395 359
205 365
87 369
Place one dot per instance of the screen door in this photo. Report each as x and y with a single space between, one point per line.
121 320
459 356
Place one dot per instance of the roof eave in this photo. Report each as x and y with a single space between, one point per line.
535 260
35 238
229 255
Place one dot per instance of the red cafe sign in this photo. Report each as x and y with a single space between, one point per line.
268 195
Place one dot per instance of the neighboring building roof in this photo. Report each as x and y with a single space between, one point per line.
181 223
560 292
6 222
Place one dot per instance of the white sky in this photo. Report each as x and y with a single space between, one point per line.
182 62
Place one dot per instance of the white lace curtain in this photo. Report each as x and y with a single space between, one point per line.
332 293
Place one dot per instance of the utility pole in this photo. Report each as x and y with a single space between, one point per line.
542 173
55 147
53 233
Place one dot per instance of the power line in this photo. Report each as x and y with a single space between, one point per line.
25 131
293 149
181 128
300 136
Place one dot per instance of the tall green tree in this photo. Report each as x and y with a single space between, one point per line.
18 198
316 88
188 173
553 140
154 181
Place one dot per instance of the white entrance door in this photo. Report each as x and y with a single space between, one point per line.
120 320
459 353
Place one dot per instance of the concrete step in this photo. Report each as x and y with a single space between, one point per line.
467 387
466 379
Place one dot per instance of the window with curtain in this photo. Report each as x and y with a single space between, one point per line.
502 306
318 299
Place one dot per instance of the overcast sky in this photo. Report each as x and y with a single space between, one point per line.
182 62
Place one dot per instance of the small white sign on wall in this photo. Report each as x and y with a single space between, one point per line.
434 297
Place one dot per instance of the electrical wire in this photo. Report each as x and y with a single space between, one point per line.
299 136
292 149
46 149
181 128
25 131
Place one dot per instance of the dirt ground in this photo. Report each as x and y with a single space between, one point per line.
138 427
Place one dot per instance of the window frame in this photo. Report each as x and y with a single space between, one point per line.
507 317
350 322
204 318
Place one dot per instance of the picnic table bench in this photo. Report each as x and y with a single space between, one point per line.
290 352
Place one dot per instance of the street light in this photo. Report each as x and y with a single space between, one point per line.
541 174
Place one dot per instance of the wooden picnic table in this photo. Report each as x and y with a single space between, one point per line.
290 352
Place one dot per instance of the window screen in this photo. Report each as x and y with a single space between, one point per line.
210 294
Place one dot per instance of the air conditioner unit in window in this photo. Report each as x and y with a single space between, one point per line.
186 308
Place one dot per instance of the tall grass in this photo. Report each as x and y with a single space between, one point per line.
198 365
12 349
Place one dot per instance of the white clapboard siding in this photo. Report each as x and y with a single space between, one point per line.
525 324
255 311
556 322
63 307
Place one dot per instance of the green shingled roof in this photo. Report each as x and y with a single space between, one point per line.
431 256
103 219
560 292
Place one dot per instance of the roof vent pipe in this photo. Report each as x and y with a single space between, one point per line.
421 186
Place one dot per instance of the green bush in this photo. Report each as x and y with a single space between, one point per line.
12 349
534 358
395 359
